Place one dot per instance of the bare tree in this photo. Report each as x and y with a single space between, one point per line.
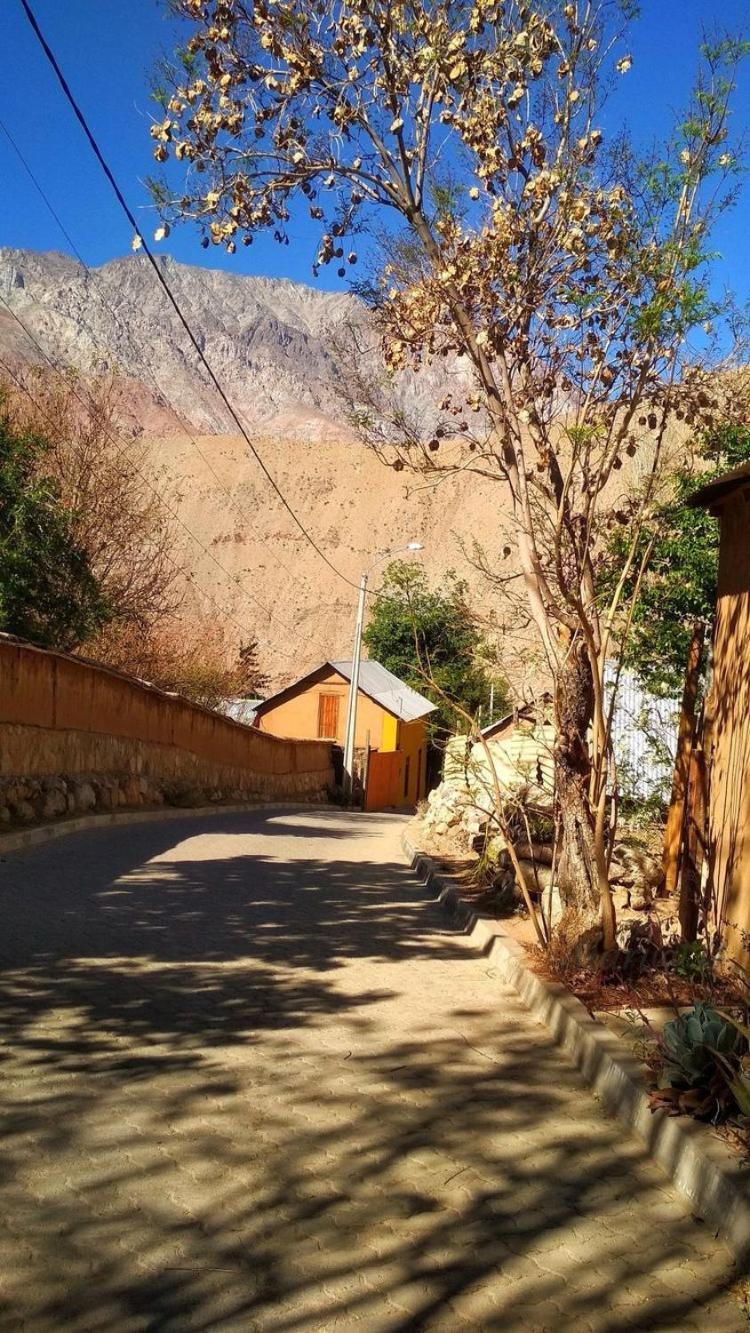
562 275
116 514
190 656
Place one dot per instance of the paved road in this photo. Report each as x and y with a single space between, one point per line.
252 1081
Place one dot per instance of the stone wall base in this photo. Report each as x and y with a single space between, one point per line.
30 800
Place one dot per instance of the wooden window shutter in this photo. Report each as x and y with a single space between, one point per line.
328 716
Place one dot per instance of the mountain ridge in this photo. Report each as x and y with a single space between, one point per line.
275 346
267 342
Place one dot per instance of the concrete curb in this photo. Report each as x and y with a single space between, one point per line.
31 837
706 1173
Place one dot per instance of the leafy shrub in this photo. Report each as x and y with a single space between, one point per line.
691 961
705 1061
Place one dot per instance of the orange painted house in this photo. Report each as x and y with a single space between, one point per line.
391 721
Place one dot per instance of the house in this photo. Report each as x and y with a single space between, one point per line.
391 721
515 750
239 709
728 713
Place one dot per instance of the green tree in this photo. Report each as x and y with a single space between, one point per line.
48 593
568 278
679 586
427 637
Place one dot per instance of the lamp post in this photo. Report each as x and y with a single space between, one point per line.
351 711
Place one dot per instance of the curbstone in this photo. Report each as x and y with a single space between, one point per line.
705 1172
30 837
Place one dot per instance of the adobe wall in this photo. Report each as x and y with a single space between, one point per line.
728 716
297 715
76 736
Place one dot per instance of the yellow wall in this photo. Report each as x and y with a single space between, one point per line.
413 741
389 735
297 716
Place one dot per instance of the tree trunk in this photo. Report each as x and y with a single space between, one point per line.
579 871
676 813
693 844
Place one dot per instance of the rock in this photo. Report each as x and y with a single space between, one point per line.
654 878
552 906
619 873
535 851
641 898
84 796
539 882
131 792
17 791
639 936
104 794
22 811
55 804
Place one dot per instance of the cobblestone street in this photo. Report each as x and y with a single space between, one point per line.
251 1080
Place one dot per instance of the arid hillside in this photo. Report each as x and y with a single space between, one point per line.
276 348
271 580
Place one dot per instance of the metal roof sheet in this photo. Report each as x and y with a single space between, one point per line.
387 690
717 489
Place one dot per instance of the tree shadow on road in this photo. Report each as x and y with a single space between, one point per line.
231 1100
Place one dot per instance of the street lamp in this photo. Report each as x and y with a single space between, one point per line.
351 712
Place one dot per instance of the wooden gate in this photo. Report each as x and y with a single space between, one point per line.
385 776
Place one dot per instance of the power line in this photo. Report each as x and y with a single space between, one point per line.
123 453
52 60
140 359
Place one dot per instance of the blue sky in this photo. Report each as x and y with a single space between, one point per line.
108 47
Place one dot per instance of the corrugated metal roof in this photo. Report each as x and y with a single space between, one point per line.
387 690
717 489
240 710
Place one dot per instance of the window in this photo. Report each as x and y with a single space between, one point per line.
328 716
407 766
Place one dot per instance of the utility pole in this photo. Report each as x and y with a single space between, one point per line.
351 712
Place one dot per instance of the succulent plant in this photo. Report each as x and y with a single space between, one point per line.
692 1043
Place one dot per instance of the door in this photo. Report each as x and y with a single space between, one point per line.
328 717
385 777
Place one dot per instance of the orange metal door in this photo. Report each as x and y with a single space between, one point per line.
385 777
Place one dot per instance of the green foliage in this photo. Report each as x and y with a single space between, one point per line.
705 1055
737 1071
680 584
692 1042
427 638
48 593
692 961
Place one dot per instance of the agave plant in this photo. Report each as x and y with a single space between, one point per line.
692 1043
705 1062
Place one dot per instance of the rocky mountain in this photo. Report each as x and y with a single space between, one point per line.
276 348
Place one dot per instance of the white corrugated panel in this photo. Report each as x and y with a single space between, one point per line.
644 737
